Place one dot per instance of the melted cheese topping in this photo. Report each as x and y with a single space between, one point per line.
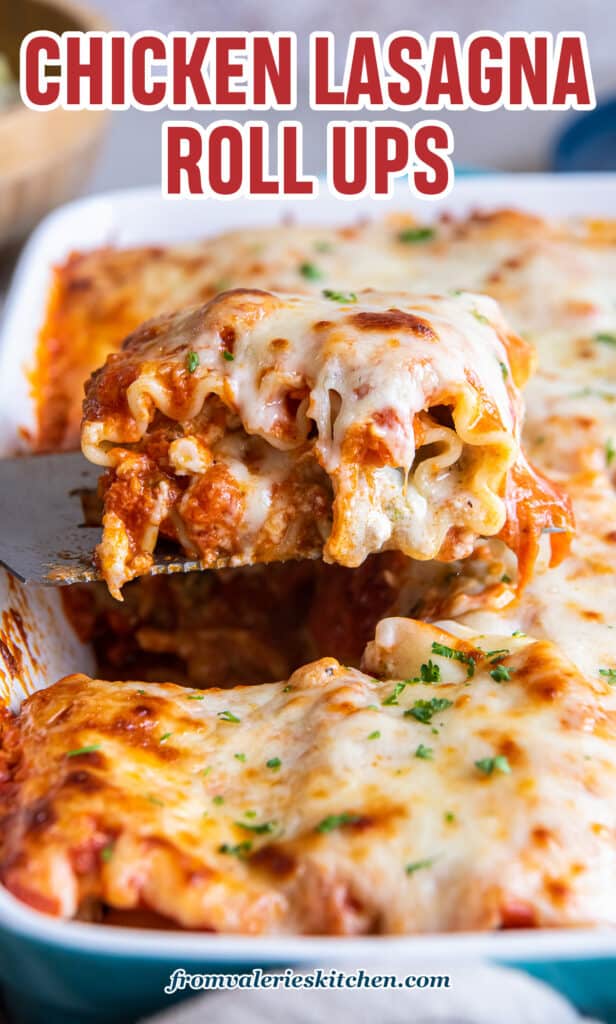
336 803
408 406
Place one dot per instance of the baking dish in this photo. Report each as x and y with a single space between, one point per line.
56 971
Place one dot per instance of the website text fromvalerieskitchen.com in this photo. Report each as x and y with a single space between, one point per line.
181 981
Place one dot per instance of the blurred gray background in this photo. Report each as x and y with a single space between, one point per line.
497 139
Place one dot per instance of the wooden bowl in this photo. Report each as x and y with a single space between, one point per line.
45 156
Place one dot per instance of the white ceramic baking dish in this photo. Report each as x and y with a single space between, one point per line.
57 971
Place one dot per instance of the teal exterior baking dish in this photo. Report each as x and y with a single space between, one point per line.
70 973
56 972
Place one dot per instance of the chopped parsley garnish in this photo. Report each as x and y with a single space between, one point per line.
154 800
206 771
423 710
240 757
610 675
141 691
227 716
518 632
430 673
196 696
310 271
425 753
165 736
449 652
606 338
237 850
488 765
449 817
411 235
501 674
417 865
273 763
107 853
395 693
91 749
264 829
610 451
505 578
374 735
334 821
250 814
481 318
218 800
192 361
504 370
495 655
329 293
228 356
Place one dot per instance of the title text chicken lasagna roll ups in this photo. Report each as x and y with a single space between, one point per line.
261 427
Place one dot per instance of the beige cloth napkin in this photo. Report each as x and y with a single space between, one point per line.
478 994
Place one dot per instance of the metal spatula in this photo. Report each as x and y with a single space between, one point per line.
43 536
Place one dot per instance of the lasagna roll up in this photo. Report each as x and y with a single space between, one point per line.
262 426
131 796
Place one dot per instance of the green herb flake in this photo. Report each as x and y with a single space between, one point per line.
423 710
505 578
250 814
206 771
274 763
450 652
140 691
310 271
609 674
238 850
501 652
346 297
240 757
376 735
417 865
227 716
489 765
287 689
218 800
518 633
501 674
504 370
192 361
449 817
393 696
154 800
107 853
430 673
165 736
195 696
424 753
610 451
264 829
481 318
606 338
334 821
91 749
228 356
409 236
